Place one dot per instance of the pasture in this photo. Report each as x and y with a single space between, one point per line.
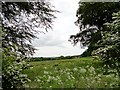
70 73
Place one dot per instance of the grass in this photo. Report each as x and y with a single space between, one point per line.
70 73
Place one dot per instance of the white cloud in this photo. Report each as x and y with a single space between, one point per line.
55 43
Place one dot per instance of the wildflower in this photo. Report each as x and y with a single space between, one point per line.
31 67
92 69
75 69
45 72
38 80
45 67
50 86
23 75
83 70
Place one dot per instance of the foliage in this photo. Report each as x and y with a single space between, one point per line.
75 73
109 50
90 19
19 20
0 58
19 23
12 69
13 76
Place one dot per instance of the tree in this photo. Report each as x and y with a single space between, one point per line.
19 20
109 50
90 19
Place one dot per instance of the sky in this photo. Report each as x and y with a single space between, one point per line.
55 42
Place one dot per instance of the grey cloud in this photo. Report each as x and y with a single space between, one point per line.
48 40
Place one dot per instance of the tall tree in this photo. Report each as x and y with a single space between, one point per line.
91 17
109 46
19 20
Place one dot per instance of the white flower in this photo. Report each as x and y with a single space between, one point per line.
83 70
31 67
92 69
87 66
99 75
23 75
45 67
69 77
72 77
67 69
110 76
45 72
38 80
75 69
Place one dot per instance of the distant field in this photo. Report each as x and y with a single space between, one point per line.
70 73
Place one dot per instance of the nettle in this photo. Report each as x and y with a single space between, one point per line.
109 50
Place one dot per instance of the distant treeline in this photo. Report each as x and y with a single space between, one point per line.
53 58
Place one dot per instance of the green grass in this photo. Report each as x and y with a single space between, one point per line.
69 73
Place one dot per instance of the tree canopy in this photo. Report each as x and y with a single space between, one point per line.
19 20
91 17
109 50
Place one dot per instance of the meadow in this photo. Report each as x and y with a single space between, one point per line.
84 72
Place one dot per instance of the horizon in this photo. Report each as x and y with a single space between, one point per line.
55 56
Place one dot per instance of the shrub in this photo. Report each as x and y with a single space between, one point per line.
109 50
12 75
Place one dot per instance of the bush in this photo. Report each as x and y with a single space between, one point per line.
109 50
12 75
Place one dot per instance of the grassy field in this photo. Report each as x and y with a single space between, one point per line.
70 73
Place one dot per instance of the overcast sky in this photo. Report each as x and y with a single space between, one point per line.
55 42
